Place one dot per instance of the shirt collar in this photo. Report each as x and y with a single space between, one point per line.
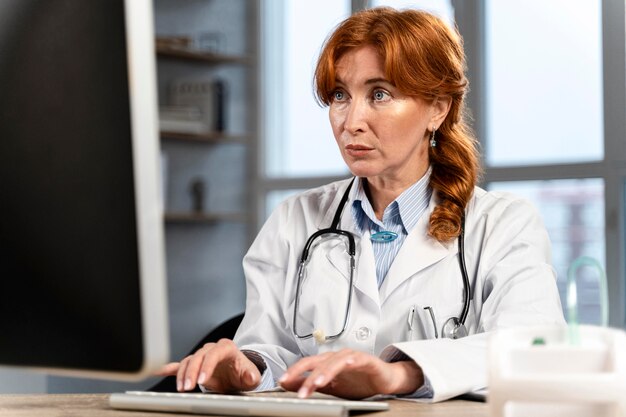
409 201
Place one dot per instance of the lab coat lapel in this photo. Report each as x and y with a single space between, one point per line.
366 280
418 252
365 273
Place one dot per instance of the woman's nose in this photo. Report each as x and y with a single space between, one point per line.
356 117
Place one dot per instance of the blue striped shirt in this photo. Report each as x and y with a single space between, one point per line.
401 216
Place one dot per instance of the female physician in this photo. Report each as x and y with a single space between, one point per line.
373 303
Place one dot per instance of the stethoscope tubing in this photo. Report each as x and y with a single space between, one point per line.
466 283
303 261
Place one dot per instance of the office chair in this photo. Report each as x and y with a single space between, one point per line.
225 330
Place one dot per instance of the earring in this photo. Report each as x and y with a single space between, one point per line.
433 142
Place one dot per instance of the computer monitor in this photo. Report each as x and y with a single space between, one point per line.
82 271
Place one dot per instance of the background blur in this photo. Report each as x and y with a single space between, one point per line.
547 99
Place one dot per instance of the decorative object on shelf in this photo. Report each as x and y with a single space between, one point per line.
198 194
212 42
183 119
220 105
198 105
198 93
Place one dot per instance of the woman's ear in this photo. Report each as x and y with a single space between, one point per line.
440 108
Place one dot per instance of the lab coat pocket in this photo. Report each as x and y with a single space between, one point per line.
420 323
434 317
415 322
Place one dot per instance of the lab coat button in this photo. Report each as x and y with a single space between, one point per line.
363 333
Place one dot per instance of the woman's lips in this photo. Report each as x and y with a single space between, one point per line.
358 150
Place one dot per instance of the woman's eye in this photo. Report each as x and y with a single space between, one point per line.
380 95
338 95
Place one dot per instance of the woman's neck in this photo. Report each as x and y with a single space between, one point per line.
381 195
382 192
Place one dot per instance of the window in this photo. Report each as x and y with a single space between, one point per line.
544 91
573 213
299 140
550 115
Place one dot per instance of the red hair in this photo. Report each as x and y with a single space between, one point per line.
424 58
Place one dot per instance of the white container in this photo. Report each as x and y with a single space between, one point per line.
557 378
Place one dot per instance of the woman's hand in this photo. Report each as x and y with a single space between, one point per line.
351 374
219 367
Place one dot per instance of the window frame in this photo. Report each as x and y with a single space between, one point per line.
470 17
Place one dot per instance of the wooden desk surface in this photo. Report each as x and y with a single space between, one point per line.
97 405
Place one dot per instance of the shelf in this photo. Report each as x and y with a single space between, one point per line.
188 54
191 217
211 137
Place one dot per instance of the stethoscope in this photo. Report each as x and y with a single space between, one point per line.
453 328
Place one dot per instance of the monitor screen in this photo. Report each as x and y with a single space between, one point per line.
82 275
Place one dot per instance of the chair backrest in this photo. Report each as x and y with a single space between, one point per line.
226 330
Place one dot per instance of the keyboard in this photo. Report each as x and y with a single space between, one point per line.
240 405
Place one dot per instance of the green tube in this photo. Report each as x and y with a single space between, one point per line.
572 296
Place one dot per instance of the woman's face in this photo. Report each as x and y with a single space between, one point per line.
382 133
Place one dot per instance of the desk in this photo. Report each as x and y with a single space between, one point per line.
97 405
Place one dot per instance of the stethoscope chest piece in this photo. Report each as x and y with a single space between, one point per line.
453 329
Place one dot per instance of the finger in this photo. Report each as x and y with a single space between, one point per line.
245 373
293 384
219 352
168 369
228 369
192 369
296 370
180 375
326 371
295 379
250 377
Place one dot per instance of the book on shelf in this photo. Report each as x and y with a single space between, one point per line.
183 126
183 119
198 93
209 96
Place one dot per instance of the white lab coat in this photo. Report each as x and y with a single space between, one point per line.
508 258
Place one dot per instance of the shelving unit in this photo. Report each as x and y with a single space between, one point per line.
205 249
